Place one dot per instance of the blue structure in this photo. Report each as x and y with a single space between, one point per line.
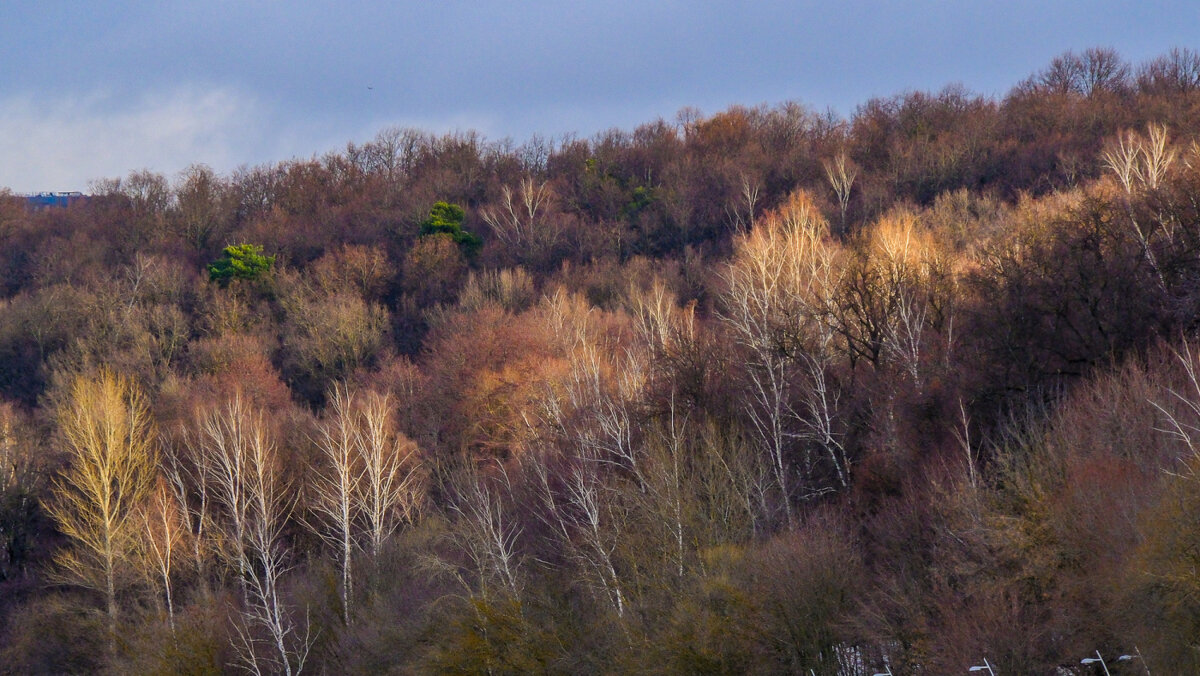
44 200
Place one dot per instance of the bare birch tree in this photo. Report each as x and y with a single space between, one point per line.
244 474
749 197
1140 164
392 490
519 220
574 506
336 486
841 172
777 294
108 434
904 260
187 475
485 532
164 534
370 483
669 487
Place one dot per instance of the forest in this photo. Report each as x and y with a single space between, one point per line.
761 391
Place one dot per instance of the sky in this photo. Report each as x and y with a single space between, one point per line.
92 90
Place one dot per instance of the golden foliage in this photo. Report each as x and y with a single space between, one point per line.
109 436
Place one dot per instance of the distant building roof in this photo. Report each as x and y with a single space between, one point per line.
44 200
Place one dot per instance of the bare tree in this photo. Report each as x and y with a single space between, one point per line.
749 197
244 475
574 505
1140 164
903 259
962 434
223 438
1104 71
777 294
1096 70
1158 155
817 418
599 396
596 534
392 490
394 151
1064 75
187 476
750 194
519 220
717 476
1176 72
841 172
9 456
1179 426
370 484
165 532
336 487
108 434
669 486
735 484
201 200
485 532
1123 159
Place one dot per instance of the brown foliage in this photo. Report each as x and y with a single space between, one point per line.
695 418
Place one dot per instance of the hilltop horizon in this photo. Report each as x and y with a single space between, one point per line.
98 93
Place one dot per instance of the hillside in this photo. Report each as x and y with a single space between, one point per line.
759 391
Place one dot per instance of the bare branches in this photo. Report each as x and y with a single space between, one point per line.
1123 159
519 220
1140 164
485 531
778 291
906 266
841 172
336 488
164 533
574 505
1157 156
370 483
243 470
962 434
1185 431
392 490
187 477
750 195
109 436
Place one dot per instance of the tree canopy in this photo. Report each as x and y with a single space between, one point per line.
447 219
241 262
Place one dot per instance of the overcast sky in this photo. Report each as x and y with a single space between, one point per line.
92 90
